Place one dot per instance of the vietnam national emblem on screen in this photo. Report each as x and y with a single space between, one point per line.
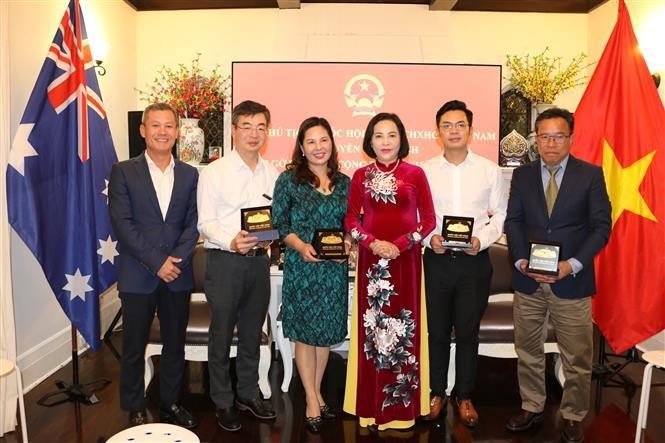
364 94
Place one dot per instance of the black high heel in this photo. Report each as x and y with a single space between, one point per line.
313 424
327 413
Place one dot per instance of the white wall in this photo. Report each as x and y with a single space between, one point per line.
42 329
141 42
385 33
642 15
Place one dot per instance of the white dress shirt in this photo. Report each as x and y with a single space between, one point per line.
162 181
226 186
474 188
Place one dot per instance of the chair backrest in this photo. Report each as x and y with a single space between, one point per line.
199 259
503 269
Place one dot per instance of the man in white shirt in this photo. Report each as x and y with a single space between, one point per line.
457 281
152 204
237 283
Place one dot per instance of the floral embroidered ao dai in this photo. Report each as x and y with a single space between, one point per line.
387 375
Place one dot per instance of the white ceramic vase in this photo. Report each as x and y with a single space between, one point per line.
538 109
190 141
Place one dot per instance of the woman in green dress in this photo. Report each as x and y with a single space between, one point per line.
312 194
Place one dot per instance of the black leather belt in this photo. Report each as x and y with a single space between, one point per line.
453 254
256 252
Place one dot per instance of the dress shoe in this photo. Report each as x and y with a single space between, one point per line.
177 415
227 419
467 413
313 424
257 407
523 421
436 405
572 432
137 418
327 413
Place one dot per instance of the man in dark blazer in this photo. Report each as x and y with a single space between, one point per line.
559 199
152 202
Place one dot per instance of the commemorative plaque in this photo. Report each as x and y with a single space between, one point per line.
258 222
457 231
329 244
544 257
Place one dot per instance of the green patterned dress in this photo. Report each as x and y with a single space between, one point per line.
314 295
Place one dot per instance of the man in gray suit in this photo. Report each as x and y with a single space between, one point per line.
563 200
152 203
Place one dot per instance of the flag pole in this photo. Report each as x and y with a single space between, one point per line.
605 370
75 392
66 100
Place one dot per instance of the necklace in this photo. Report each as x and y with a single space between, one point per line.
324 187
376 165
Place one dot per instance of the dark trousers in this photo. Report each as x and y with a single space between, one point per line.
238 292
457 289
138 312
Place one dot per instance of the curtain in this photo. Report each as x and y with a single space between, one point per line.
8 392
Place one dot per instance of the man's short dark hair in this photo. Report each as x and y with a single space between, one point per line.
159 107
369 133
250 108
454 105
556 113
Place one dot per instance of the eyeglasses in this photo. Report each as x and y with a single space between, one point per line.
448 126
248 128
556 138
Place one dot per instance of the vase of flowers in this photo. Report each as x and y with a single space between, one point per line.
541 78
194 95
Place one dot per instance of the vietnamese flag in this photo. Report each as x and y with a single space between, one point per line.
620 125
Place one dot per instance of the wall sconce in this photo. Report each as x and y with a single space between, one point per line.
101 70
100 50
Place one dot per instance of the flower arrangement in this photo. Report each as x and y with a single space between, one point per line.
191 93
541 78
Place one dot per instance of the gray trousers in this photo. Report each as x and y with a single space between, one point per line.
571 319
238 293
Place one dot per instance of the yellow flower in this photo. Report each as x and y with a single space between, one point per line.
541 79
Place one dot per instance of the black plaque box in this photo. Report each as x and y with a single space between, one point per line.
544 257
257 222
329 244
457 231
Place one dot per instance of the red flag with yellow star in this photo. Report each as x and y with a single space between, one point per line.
620 125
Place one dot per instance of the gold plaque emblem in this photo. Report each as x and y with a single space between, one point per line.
458 227
543 253
259 217
331 239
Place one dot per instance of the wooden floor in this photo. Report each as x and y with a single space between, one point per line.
612 418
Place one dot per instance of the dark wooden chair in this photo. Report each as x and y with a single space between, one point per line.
497 330
196 336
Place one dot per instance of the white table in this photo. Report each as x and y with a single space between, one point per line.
654 354
6 368
282 343
155 433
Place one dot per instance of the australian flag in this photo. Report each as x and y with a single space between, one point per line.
57 178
